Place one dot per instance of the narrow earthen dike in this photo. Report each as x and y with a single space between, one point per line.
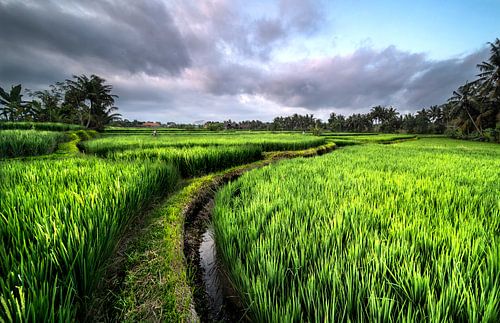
222 304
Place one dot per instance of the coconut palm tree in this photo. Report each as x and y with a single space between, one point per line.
13 107
92 99
489 77
465 106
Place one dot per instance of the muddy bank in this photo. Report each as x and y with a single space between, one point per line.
214 298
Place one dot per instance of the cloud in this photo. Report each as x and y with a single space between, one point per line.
436 84
355 82
211 60
137 37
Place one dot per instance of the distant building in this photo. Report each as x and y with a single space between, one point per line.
151 124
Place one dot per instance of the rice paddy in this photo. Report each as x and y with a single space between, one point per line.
401 232
59 221
196 160
405 232
61 218
267 142
18 143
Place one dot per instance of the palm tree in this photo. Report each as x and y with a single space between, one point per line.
47 105
93 100
489 77
465 102
14 108
377 114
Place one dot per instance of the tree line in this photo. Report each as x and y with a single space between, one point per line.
82 100
473 111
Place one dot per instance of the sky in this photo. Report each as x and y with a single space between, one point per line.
211 60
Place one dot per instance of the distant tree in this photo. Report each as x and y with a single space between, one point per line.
489 78
47 104
465 108
409 123
294 122
92 100
12 105
336 122
359 123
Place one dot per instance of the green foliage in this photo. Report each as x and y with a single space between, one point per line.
405 232
59 223
356 139
193 161
100 109
17 143
12 106
48 126
267 142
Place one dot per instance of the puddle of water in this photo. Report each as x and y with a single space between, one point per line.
211 275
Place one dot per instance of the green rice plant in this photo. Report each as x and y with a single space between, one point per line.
59 223
369 138
17 143
404 232
267 142
193 161
47 126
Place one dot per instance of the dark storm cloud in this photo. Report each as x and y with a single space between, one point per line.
358 81
214 28
34 69
436 84
363 78
137 37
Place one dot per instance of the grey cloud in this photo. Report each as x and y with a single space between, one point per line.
137 37
436 84
33 70
303 16
221 25
231 79
268 31
366 78
199 56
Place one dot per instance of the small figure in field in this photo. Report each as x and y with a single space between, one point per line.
155 133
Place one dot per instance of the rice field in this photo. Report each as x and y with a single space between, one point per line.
343 139
46 126
192 161
399 232
267 142
403 232
18 143
59 221
61 218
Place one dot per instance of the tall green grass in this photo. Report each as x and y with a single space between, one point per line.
192 161
267 142
59 223
406 232
47 126
17 143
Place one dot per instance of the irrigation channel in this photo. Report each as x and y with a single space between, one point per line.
215 299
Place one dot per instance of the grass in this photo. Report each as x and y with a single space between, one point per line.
61 216
18 143
59 221
157 282
47 126
267 142
406 232
192 161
